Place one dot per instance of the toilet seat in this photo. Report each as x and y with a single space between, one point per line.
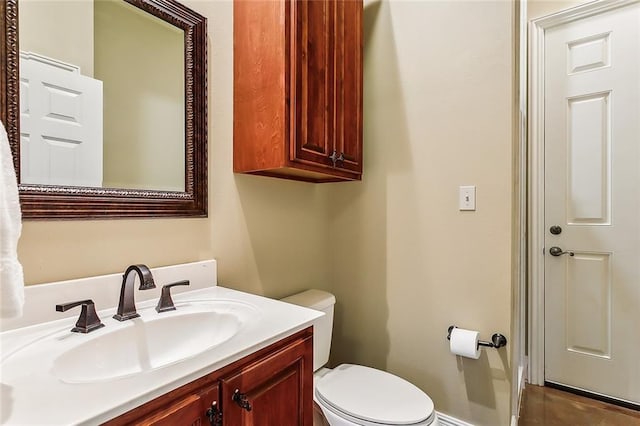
367 396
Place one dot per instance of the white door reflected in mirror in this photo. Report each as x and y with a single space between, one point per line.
60 124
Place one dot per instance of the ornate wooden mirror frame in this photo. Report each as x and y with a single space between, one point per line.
69 202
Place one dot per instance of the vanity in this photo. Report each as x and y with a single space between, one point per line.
222 357
266 387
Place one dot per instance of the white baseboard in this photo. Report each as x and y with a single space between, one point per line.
522 373
447 420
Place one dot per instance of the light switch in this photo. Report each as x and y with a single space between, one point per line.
468 197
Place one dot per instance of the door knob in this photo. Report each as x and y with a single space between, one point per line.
555 230
557 251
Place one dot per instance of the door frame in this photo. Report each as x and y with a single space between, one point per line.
537 30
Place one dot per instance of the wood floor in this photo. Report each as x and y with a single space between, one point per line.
551 407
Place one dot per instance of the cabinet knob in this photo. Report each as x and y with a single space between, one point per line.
241 399
334 157
214 415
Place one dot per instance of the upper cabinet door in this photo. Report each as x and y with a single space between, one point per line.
313 79
298 89
348 84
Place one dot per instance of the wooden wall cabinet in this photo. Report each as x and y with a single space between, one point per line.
272 387
298 89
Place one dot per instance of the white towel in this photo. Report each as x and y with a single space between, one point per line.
11 277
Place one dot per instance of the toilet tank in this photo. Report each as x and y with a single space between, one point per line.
322 327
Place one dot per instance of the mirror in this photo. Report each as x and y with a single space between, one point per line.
106 114
100 95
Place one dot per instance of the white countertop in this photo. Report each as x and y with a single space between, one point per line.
32 395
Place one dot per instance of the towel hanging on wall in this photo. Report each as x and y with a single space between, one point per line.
11 276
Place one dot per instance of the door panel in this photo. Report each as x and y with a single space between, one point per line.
313 73
589 304
589 162
589 53
187 411
348 70
592 190
277 389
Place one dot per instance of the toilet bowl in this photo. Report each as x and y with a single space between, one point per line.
355 395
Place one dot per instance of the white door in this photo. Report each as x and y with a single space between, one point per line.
60 124
592 192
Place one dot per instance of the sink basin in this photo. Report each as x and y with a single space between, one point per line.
151 341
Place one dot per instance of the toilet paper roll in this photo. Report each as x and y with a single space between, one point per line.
465 343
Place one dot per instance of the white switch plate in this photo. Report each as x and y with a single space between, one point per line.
468 197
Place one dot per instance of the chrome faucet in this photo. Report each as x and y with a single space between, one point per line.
127 304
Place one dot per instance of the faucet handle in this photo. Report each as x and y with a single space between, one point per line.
88 320
166 303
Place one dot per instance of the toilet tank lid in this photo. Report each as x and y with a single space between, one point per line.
313 299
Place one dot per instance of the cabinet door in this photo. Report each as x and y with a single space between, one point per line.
188 411
276 390
312 81
348 84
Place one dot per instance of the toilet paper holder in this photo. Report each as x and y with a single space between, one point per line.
497 340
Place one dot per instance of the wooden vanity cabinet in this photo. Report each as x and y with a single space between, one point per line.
189 410
298 89
272 387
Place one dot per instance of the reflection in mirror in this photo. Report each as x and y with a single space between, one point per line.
107 115
101 96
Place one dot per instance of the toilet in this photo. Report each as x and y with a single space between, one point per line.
355 395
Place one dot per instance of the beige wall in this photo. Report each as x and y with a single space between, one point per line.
406 263
140 59
269 236
68 26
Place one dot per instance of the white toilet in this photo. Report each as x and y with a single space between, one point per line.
355 395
